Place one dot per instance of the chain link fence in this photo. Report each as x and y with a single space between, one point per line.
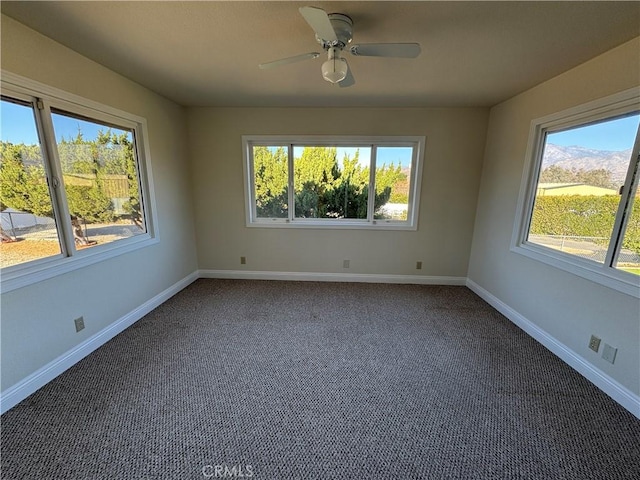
591 248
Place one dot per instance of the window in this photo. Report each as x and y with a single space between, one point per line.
335 182
581 209
74 182
25 198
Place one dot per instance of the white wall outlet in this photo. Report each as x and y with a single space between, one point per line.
609 353
594 343
79 323
345 264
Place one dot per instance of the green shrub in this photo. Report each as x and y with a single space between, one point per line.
584 216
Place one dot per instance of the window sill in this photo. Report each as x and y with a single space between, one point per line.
45 269
332 224
619 280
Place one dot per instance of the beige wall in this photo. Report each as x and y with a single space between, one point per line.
37 325
454 147
37 321
567 307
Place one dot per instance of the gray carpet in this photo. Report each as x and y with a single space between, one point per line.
285 380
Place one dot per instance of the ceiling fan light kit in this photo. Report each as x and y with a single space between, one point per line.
334 32
335 69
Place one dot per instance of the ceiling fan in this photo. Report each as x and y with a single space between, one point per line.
334 31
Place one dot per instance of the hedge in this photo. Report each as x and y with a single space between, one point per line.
584 216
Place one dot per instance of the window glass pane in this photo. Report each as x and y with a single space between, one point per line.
28 227
577 194
393 177
331 182
270 179
629 256
100 173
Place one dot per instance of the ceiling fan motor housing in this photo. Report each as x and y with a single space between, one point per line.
343 27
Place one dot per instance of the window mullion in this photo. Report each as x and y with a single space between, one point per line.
52 161
291 197
371 200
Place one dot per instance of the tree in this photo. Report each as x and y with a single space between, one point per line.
598 178
124 162
270 167
94 172
632 234
316 175
83 179
89 203
24 188
391 185
103 161
584 216
324 188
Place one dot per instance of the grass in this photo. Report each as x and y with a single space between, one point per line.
634 270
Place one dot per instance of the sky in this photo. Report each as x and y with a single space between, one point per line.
17 126
613 135
385 155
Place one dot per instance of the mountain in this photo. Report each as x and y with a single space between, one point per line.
580 158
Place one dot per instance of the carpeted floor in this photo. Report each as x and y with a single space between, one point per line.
286 380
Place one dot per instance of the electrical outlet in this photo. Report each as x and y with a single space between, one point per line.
418 265
243 260
594 343
345 264
609 353
79 323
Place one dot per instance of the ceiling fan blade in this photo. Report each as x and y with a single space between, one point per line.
401 50
319 21
348 80
285 61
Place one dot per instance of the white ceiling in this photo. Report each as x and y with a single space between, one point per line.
206 53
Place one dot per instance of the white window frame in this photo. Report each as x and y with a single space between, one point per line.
373 142
602 273
27 273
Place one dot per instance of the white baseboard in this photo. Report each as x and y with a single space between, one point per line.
604 382
333 277
18 392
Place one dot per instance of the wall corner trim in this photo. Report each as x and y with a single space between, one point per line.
21 390
604 382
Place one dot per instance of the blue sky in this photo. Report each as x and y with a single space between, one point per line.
17 125
613 135
386 155
395 155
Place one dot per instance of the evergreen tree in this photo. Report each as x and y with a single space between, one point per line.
270 176
324 188
23 187
93 174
